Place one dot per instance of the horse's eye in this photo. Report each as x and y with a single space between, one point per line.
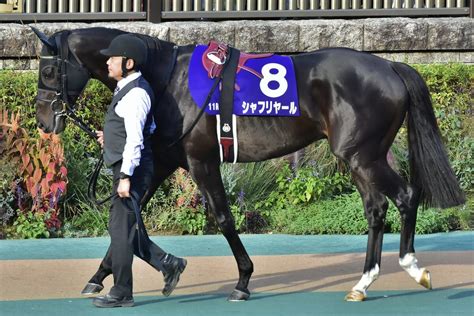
48 72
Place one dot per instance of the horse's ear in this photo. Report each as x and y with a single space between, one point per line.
45 40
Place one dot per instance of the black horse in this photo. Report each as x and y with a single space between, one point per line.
355 100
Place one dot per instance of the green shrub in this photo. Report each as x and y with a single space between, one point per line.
31 225
345 215
342 215
249 182
81 151
433 220
246 185
159 215
304 187
462 161
177 206
85 218
324 163
257 195
8 176
18 92
451 91
191 220
91 222
17 95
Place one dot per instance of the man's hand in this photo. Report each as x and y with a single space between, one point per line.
123 189
100 138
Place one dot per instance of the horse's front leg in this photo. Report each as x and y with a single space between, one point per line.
208 178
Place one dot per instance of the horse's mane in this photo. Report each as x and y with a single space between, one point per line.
155 68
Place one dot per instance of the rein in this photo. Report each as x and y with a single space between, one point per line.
201 112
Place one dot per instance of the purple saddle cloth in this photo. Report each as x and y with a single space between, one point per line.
263 86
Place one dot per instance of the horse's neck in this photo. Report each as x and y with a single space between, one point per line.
159 62
168 115
167 66
86 45
181 64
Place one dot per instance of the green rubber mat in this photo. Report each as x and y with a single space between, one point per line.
216 245
436 302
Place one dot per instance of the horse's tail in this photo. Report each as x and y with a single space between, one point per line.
429 165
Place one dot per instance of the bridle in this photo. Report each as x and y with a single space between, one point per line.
62 105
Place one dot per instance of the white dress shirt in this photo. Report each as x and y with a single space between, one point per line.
133 108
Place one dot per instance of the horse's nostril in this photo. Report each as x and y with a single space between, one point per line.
40 125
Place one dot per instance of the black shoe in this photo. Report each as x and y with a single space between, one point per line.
172 269
110 300
92 288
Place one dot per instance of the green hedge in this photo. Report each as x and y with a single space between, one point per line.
451 88
259 201
344 214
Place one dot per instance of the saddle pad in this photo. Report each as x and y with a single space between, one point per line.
263 86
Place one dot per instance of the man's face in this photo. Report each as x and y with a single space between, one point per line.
114 64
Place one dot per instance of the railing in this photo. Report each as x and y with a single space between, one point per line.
167 10
72 10
236 9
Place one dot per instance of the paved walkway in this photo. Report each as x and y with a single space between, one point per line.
294 275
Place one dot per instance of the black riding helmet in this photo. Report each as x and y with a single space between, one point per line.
129 46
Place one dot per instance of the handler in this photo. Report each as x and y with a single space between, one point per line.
127 150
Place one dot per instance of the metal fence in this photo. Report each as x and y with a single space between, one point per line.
71 10
166 10
83 6
229 9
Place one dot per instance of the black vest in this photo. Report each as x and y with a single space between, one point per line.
115 135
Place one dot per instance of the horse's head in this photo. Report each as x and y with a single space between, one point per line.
61 80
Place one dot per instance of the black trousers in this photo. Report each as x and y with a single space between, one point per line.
123 233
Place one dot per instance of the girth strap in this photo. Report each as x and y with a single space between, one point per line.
227 129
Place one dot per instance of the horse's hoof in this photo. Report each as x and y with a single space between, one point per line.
425 280
355 296
238 296
92 288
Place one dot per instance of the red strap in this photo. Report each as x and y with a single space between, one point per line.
226 143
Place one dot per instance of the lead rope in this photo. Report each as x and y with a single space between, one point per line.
91 187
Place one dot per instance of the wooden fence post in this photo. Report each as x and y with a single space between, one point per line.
153 10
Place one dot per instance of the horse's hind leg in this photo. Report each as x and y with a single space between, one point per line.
405 198
208 178
375 206
407 204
